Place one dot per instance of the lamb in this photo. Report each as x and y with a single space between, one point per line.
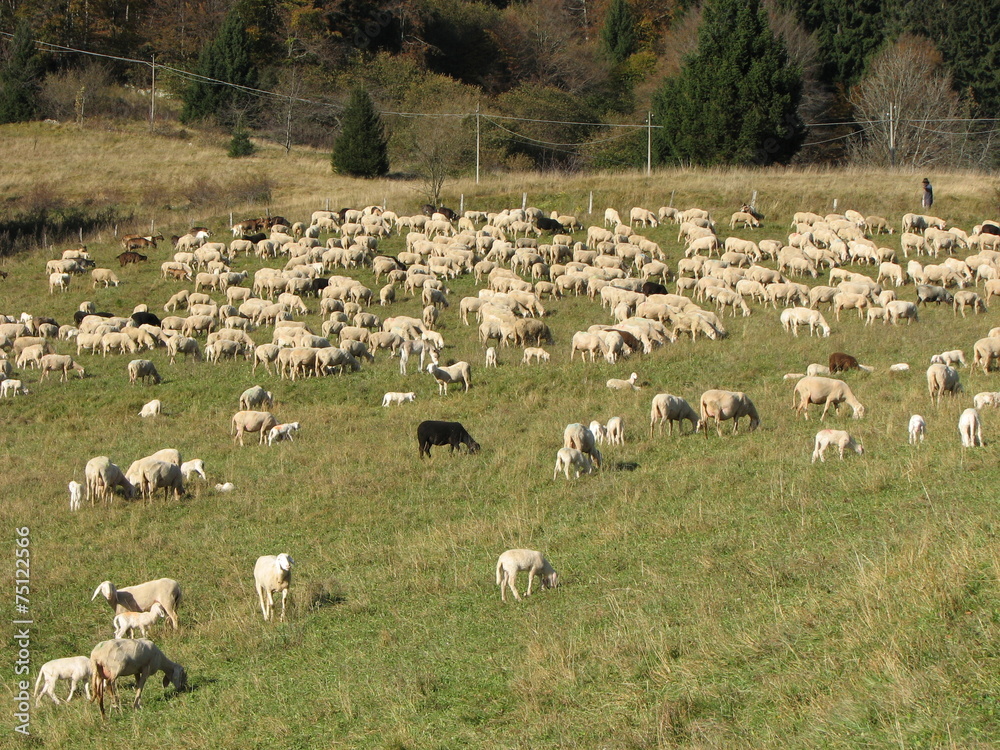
282 432
73 668
826 391
272 573
227 487
460 372
570 458
840 438
110 660
971 429
672 409
582 439
899 367
129 622
393 397
193 467
599 430
943 379
12 388
952 357
152 409
616 384
75 495
142 596
491 357
140 369
615 431
917 429
840 362
251 421
511 562
539 355
722 405
986 398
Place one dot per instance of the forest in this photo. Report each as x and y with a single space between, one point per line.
547 84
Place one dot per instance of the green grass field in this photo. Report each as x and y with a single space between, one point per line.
715 592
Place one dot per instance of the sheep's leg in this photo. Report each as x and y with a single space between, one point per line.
72 688
263 603
284 596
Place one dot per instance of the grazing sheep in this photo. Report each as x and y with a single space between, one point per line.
582 439
460 372
102 476
917 429
59 362
971 429
616 384
986 398
722 405
671 409
282 432
393 397
615 431
75 495
151 409
539 355
153 473
193 467
826 391
142 596
129 622
73 668
110 660
432 432
272 573
840 362
952 357
943 379
255 397
251 421
140 369
792 317
600 432
840 438
984 352
511 562
570 458
491 357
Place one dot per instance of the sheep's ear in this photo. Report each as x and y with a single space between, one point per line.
104 589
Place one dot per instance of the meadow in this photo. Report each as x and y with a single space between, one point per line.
714 591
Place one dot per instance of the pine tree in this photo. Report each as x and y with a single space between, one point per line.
736 98
361 149
19 78
618 36
229 57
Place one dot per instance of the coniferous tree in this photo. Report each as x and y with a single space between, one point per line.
19 77
618 36
230 58
361 149
735 100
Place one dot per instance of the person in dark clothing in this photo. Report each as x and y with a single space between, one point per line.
928 197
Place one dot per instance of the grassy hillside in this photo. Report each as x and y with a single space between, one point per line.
715 591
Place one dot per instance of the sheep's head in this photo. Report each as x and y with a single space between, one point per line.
284 562
107 590
158 610
177 676
551 580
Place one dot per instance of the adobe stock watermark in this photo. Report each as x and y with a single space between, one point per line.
22 623
373 28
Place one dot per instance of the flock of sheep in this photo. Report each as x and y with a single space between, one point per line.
625 271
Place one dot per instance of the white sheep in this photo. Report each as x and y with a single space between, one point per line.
615 431
570 458
826 391
539 355
491 357
515 560
460 372
255 397
75 495
272 573
953 357
73 668
917 428
899 367
193 467
617 384
110 660
142 596
600 432
227 487
282 432
840 438
12 388
970 428
943 379
582 439
672 409
393 397
986 398
129 622
152 409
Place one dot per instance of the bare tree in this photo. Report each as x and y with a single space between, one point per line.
908 109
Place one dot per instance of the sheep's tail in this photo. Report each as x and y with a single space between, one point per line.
96 683
499 572
38 682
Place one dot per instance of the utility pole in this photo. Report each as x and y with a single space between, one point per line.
649 143
152 96
892 135
477 143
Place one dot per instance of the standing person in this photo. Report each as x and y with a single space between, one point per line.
928 197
